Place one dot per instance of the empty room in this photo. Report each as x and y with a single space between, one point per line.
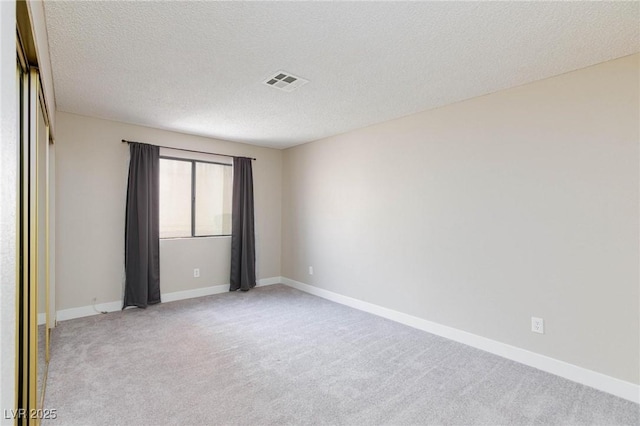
354 213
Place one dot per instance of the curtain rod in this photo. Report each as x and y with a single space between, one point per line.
191 150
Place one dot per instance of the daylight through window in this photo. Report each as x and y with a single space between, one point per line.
195 198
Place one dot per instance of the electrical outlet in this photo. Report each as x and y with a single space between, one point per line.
537 325
196 273
310 270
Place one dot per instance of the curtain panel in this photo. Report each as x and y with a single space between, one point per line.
243 244
142 227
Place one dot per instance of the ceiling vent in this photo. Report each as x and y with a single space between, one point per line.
285 81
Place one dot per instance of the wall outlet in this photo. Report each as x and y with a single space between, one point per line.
537 325
196 273
310 270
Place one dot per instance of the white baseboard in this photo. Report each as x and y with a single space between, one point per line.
196 292
602 382
85 311
42 318
269 281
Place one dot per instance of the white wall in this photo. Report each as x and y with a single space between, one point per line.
484 213
8 195
91 184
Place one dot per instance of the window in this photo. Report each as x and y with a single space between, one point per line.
195 198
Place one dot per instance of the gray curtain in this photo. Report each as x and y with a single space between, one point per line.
142 227
243 244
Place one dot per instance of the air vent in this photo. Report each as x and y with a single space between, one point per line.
285 81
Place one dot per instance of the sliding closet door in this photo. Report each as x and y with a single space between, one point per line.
33 247
51 240
42 231
28 249
34 299
23 393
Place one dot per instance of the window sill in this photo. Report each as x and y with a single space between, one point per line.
194 238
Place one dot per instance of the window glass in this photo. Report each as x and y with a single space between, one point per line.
210 185
213 199
175 198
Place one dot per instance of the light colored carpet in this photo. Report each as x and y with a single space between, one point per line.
42 358
276 355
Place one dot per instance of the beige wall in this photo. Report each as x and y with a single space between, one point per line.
178 258
91 185
484 213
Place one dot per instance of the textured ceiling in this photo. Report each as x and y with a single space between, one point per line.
199 67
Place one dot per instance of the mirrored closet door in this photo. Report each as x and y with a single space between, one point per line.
36 308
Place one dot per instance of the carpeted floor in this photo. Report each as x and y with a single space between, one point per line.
276 355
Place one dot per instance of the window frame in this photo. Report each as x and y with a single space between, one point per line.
193 195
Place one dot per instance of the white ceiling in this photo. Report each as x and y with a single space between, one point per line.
199 67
